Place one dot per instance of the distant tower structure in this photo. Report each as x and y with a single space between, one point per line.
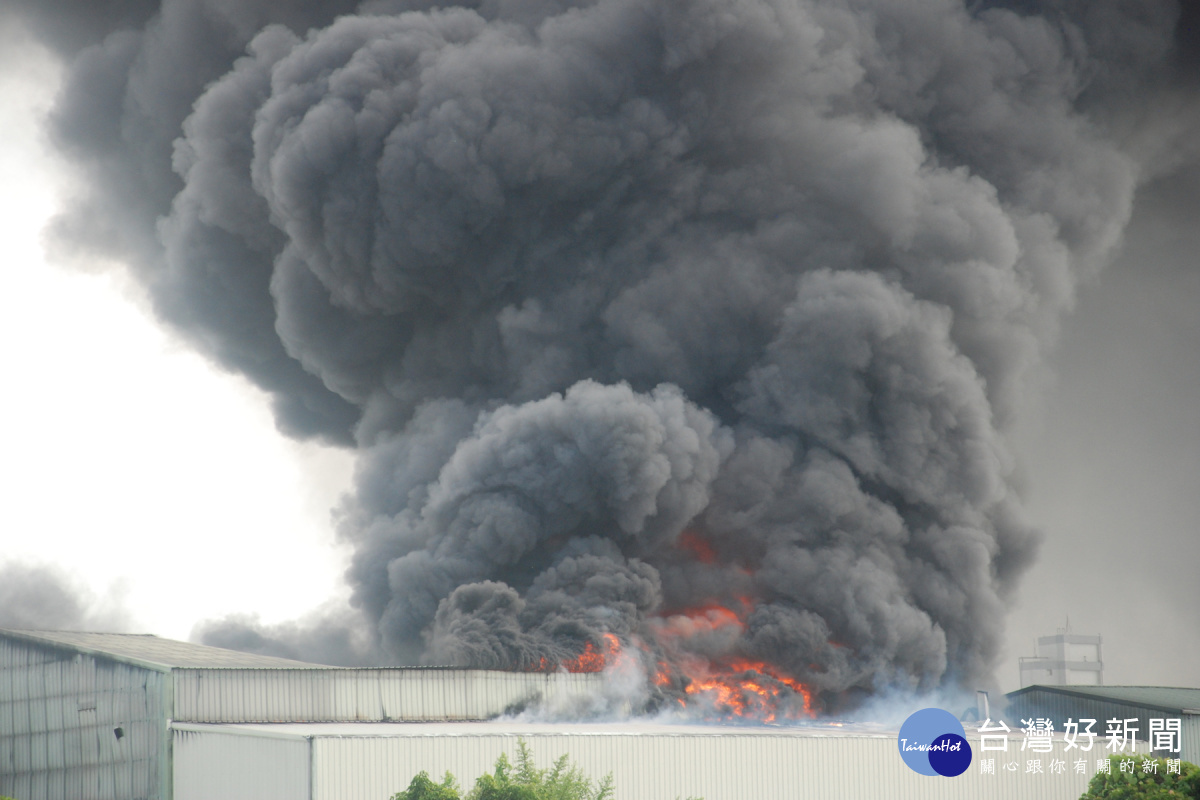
1064 659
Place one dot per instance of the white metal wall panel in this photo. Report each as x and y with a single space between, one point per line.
1190 737
363 695
58 715
1061 707
217 766
662 767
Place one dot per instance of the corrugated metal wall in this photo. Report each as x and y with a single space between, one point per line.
335 695
664 767
58 715
645 766
1191 738
230 767
1061 707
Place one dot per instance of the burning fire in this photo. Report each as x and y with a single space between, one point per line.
750 689
711 616
725 687
590 660
733 687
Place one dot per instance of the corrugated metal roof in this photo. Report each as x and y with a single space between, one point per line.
627 727
147 649
1163 698
514 728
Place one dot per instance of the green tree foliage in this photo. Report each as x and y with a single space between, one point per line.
422 788
562 781
1142 783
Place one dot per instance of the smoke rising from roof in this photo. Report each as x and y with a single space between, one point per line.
36 597
633 307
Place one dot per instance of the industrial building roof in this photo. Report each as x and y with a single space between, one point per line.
509 727
521 728
152 651
1164 698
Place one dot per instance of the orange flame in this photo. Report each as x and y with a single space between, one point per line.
742 689
708 617
662 675
732 687
590 660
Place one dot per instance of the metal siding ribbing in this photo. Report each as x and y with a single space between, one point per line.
1191 738
362 695
214 766
1060 707
58 715
650 766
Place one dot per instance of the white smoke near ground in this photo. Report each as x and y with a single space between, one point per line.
697 325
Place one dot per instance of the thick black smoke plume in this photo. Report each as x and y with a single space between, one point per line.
697 324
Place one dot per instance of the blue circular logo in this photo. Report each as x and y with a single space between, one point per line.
932 742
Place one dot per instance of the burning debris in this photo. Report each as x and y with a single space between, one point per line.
681 333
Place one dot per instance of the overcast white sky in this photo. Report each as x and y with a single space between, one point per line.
1112 457
134 465
128 460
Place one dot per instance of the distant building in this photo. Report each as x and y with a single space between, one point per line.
1065 659
1135 707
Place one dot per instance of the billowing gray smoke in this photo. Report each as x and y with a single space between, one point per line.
35 597
694 323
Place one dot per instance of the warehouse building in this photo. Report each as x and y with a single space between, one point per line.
648 761
92 716
87 716
1174 712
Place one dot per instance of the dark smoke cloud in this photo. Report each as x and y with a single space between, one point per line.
34 597
68 26
333 634
637 307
